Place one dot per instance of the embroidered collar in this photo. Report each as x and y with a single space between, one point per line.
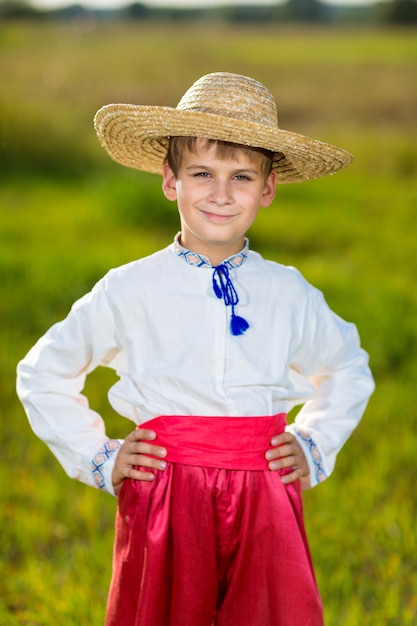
200 260
222 284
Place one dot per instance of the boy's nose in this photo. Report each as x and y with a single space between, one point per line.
221 193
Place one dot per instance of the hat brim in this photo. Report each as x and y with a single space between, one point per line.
137 136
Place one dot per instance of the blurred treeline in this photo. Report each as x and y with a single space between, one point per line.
394 12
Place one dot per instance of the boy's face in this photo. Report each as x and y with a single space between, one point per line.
217 199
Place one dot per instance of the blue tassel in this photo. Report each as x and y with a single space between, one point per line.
224 288
238 325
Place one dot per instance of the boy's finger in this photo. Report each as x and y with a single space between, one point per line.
279 440
281 451
140 474
285 463
141 447
291 478
137 460
142 434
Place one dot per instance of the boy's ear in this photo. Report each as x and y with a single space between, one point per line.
169 183
270 189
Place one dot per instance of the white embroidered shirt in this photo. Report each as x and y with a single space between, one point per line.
158 323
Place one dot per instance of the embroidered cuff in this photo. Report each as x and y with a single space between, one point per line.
98 461
315 459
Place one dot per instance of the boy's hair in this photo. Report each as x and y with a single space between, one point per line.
224 150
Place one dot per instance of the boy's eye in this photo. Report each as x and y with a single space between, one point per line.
201 175
241 177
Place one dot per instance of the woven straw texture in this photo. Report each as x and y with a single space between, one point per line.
223 106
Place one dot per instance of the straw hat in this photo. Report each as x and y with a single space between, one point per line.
222 106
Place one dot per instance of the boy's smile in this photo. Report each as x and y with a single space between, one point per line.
217 199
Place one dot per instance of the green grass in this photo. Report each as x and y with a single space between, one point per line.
68 214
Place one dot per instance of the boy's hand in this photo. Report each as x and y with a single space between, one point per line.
135 452
287 453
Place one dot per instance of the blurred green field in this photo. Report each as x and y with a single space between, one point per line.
68 214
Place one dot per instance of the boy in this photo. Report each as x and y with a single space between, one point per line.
213 346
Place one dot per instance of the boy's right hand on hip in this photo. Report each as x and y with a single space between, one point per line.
135 455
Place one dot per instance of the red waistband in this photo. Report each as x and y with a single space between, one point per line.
236 443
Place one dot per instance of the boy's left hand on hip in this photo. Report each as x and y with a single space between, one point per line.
287 453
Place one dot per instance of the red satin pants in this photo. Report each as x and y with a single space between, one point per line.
216 538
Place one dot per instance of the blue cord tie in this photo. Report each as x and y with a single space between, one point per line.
224 288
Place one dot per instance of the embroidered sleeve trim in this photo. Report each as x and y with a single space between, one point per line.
99 459
320 473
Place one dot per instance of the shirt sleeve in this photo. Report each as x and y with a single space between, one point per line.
50 382
330 356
